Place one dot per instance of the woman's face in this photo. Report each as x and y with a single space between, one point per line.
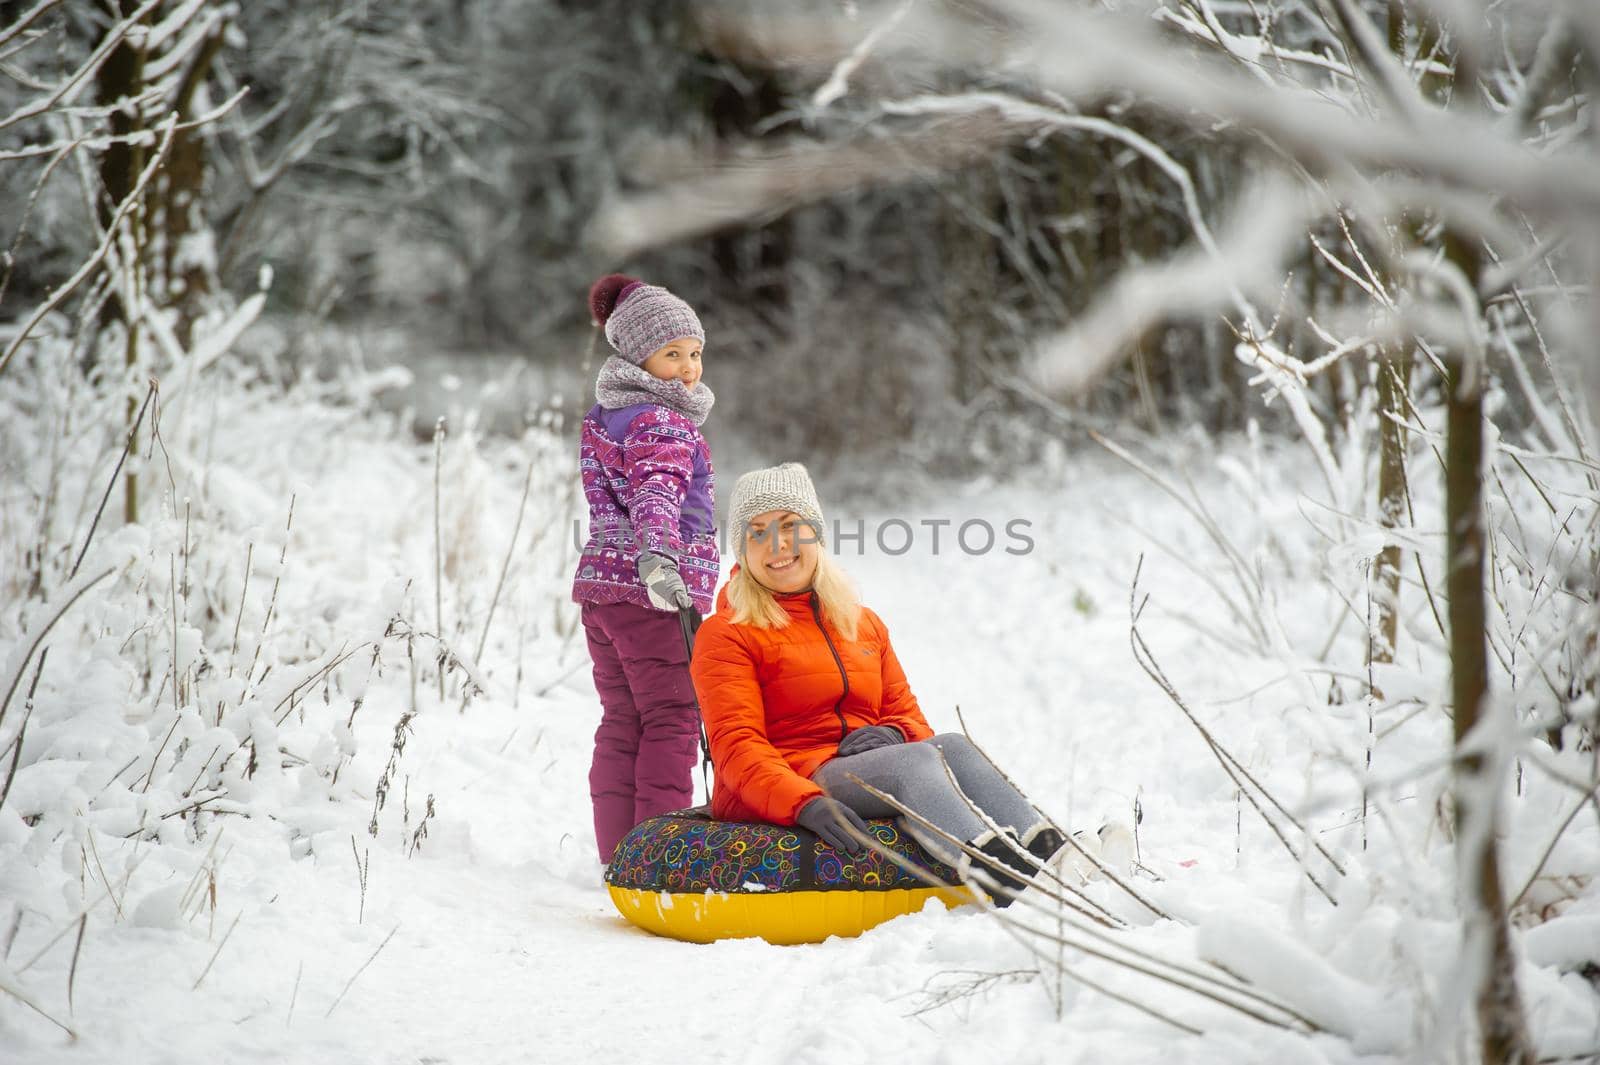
676 361
781 551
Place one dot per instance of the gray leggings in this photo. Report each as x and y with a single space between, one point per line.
915 774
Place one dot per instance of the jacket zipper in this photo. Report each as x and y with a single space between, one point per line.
838 710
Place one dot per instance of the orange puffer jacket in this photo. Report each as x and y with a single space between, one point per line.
776 703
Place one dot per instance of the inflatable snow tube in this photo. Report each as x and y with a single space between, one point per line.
685 876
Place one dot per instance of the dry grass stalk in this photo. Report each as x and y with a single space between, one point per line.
18 994
1058 963
72 967
1178 974
11 934
207 870
272 602
1230 765
104 894
294 993
977 982
1250 615
22 729
94 851
233 650
438 544
1549 849
1109 873
127 447
1100 914
150 773
984 868
362 868
421 832
1303 1026
218 951
505 567
320 673
38 638
358 972
177 678
402 729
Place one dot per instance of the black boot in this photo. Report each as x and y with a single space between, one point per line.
1004 849
1044 841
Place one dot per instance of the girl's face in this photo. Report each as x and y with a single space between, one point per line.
781 551
676 361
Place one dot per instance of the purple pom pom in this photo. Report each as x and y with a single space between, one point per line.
606 293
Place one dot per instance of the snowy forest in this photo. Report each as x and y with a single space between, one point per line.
1207 390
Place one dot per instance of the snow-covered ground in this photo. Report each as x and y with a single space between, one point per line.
278 928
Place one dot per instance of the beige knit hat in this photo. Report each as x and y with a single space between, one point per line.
785 487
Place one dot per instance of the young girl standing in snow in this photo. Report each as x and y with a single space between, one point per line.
651 551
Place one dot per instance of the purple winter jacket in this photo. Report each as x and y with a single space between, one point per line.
647 477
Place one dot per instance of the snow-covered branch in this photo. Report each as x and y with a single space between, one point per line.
65 90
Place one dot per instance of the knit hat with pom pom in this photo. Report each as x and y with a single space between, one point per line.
640 318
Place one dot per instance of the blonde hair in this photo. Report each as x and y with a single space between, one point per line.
754 604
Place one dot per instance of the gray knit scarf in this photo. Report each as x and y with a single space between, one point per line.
622 384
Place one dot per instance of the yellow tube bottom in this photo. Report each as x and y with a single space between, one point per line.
783 918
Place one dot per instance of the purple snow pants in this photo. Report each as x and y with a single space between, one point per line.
648 739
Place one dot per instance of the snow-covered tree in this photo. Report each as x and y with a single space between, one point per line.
1437 157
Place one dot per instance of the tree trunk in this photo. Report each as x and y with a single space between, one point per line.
1394 379
188 267
120 77
1502 1027
1394 376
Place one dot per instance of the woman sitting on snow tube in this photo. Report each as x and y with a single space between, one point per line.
803 697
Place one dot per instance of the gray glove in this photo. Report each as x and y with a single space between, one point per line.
663 582
869 738
832 820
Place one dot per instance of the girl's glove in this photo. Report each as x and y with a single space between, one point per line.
662 581
832 820
869 738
